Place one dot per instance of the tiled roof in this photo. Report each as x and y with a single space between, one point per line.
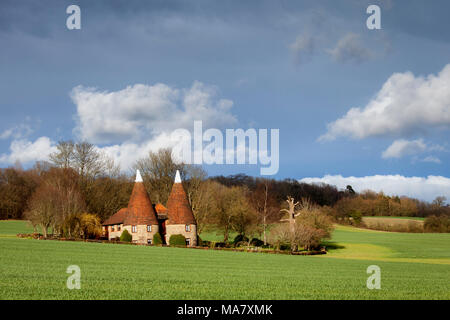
140 209
116 218
178 209
160 209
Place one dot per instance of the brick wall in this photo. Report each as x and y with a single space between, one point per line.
141 236
113 234
181 229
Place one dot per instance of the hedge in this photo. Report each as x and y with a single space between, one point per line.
157 239
126 236
177 240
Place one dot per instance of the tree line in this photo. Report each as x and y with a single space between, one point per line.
80 187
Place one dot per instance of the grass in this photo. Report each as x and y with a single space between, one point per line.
391 246
211 235
36 269
9 228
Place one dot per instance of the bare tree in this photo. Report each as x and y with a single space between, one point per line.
291 212
230 211
439 201
64 157
16 186
264 204
84 158
110 168
158 170
87 160
295 209
202 197
41 209
56 201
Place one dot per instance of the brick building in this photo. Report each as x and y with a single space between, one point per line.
143 219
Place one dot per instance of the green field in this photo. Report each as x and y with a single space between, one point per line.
413 266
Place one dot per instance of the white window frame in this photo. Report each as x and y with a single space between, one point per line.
133 229
187 228
149 228
188 241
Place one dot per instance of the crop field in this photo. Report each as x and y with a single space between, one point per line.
391 217
387 223
413 266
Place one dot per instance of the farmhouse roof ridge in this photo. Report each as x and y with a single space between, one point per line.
116 218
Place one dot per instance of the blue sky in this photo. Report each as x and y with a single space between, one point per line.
298 66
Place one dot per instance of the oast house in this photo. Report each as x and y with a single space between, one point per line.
143 219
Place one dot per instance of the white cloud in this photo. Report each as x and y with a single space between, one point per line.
133 121
16 132
127 153
404 104
302 48
6 134
141 112
417 187
402 147
431 159
26 151
141 118
350 49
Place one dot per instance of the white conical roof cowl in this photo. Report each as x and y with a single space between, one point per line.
138 176
177 177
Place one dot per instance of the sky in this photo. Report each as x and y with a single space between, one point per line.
370 108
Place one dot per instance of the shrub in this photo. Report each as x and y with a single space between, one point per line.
90 226
393 225
256 242
202 243
220 244
437 224
206 243
356 216
157 239
126 236
240 238
310 228
177 240
241 244
284 247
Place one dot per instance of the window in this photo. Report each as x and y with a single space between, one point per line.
188 241
188 228
133 229
149 241
118 228
112 228
149 228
